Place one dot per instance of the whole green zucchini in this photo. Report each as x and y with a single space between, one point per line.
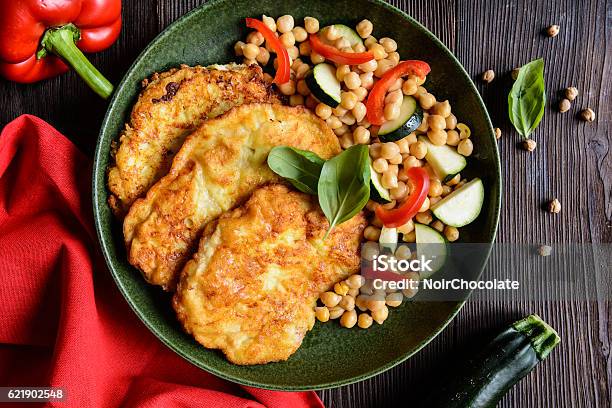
511 355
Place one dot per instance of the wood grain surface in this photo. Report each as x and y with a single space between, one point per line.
572 162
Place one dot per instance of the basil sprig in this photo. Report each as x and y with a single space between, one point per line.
527 98
342 183
302 168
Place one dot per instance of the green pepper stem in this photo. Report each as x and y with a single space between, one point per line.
542 337
61 41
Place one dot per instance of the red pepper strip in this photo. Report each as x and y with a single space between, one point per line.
284 67
60 27
419 179
376 99
339 57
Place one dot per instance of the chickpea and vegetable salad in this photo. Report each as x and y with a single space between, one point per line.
369 96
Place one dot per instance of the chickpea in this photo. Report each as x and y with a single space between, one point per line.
392 111
395 57
378 51
361 93
367 80
418 150
330 299
464 131
333 122
369 41
437 225
412 161
452 138
364 321
269 22
301 73
395 96
423 126
407 228
295 100
389 150
359 112
255 37
287 39
435 188
424 217
425 205
412 290
316 58
437 137
369 66
323 111
410 237
311 25
375 149
346 140
288 88
364 28
403 252
299 34
389 44
238 48
335 312
397 86
412 138
352 81
397 159
380 315
311 103
341 288
433 200
389 180
322 313
348 319
427 100
361 135
348 119
250 51
454 181
404 146
436 122
441 108
305 48
420 90
355 281
285 23
341 72
263 57
380 165
465 147
451 121
383 66
371 233
347 303
348 100
394 299
339 111
293 52
369 250
399 192
375 302
451 233
353 292
409 87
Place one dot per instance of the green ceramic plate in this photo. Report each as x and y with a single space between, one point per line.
206 36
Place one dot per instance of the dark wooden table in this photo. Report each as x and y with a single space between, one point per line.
573 162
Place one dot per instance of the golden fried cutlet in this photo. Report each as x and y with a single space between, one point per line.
251 288
218 167
170 107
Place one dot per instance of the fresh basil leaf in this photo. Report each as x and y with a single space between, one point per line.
344 185
300 167
527 98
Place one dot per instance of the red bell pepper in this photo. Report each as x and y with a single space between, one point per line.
31 29
376 99
283 72
339 57
419 179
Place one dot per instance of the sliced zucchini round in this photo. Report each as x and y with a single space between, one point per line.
407 122
324 85
432 245
444 160
462 206
347 32
377 192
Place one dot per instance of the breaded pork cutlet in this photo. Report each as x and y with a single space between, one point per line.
218 167
171 106
251 288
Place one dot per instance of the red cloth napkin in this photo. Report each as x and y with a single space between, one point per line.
63 322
